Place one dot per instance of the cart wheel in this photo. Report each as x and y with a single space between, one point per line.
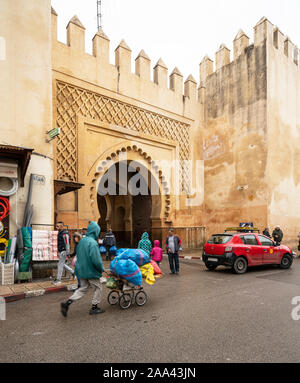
141 298
125 301
113 298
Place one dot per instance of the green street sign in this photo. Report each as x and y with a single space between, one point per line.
53 133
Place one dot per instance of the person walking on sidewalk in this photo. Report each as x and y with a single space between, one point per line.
76 238
145 243
89 268
109 241
63 247
173 245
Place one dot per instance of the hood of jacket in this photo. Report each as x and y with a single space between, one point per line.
93 230
156 243
145 236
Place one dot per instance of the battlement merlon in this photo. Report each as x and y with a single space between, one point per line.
206 69
123 57
176 81
143 66
160 74
76 34
101 46
240 43
190 88
222 57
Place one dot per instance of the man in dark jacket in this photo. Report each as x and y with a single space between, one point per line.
266 232
63 247
89 268
173 244
108 242
277 235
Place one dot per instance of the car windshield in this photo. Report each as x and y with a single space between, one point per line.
218 239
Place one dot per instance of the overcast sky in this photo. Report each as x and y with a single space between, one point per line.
180 32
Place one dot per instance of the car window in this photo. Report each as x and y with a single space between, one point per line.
219 239
249 240
265 241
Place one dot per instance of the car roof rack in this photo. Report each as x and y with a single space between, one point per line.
242 230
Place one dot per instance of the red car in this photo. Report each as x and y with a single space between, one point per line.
242 250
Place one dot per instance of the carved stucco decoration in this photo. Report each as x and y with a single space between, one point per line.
72 101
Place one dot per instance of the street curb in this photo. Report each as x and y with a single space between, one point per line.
188 257
37 293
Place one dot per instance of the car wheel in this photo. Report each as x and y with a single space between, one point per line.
240 266
286 262
211 267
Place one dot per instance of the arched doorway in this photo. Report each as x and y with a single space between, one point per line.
129 203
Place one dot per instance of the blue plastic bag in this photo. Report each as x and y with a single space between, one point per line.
102 249
127 269
113 250
140 257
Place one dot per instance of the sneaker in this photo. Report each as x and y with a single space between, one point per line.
96 311
64 307
172 273
56 282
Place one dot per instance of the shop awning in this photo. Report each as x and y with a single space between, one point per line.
64 187
18 153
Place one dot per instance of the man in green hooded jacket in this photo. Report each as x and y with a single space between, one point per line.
89 268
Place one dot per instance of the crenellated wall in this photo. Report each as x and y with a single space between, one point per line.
163 106
251 138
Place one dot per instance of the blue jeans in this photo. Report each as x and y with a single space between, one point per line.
174 259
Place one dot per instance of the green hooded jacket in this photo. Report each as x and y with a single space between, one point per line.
145 243
89 262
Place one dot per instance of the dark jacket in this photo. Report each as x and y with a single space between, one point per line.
277 235
109 240
177 242
267 233
89 262
63 241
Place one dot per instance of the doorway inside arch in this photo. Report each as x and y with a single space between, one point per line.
128 205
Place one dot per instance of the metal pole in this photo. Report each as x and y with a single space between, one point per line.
99 14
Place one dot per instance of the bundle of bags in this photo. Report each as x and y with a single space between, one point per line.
134 264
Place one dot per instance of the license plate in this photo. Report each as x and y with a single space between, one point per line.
212 260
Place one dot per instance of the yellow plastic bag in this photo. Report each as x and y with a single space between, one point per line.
148 273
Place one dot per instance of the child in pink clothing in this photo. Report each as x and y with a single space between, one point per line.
157 253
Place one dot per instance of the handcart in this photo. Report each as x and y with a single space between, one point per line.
125 293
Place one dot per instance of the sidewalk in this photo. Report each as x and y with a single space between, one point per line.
35 289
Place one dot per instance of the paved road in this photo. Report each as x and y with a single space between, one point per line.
199 316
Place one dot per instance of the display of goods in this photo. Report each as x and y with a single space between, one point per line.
7 274
44 245
140 257
127 269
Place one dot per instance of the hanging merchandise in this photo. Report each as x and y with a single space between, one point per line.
44 245
4 207
25 266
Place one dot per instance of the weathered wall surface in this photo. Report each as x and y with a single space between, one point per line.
26 98
103 108
283 134
235 136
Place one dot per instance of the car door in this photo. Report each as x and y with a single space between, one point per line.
268 250
252 249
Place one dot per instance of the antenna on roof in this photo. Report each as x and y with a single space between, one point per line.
99 14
